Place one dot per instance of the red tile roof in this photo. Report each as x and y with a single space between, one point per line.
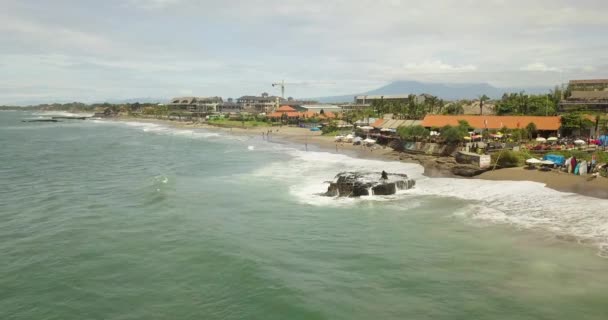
378 123
286 109
287 114
493 122
309 114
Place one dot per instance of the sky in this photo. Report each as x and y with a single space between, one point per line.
106 50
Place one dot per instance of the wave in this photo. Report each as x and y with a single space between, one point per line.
62 114
520 203
163 129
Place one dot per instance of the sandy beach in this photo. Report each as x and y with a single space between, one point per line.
584 185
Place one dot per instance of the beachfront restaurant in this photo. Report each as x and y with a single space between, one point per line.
546 126
385 130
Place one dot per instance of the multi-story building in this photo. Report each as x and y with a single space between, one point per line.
230 106
590 95
259 104
196 104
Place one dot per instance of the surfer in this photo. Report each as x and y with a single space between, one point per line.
384 175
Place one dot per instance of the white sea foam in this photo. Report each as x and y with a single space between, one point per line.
61 114
166 130
519 203
308 173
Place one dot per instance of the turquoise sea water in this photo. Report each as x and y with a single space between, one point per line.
103 220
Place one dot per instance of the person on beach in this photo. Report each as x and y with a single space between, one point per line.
573 164
384 175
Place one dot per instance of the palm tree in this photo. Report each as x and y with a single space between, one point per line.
482 99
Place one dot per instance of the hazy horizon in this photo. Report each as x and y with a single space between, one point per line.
92 52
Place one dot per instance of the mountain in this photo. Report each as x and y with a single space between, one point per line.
441 90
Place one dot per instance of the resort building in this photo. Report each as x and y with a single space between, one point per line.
317 108
591 95
196 104
259 104
552 123
230 106
287 113
298 104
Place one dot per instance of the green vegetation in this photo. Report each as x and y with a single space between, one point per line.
508 158
413 108
454 135
575 121
413 132
331 129
523 104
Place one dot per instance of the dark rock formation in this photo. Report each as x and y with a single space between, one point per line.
356 184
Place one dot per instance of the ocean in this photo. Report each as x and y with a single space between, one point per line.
126 220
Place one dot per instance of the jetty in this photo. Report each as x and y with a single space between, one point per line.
69 118
39 120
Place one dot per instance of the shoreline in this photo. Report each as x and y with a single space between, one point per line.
562 182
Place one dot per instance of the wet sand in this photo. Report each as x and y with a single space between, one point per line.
561 181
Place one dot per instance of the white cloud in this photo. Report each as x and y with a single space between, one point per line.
540 67
232 47
437 66
153 4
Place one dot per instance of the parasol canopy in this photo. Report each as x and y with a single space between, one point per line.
579 141
552 139
533 161
541 139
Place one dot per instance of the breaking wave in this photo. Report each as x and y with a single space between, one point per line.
522 204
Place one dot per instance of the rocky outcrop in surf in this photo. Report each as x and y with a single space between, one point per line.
356 184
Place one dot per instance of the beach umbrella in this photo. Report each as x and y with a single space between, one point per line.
467 138
547 162
338 138
552 139
541 139
579 141
366 128
357 139
434 133
533 161
370 141
386 130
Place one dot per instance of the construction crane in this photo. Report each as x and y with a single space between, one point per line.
282 84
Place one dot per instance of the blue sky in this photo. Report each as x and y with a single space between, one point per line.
84 50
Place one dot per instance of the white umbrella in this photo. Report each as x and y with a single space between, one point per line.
434 133
579 141
370 141
552 139
547 162
366 128
357 139
533 161
339 138
541 139
385 130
